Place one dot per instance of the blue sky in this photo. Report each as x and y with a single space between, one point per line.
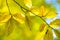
54 2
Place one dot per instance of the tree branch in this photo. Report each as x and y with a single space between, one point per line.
33 13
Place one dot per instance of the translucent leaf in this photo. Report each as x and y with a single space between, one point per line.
13 30
36 23
43 11
28 3
4 17
36 34
35 10
2 30
37 3
55 23
40 35
42 26
57 32
18 17
28 21
37 30
57 39
13 7
10 26
51 14
48 35
21 2
18 31
3 6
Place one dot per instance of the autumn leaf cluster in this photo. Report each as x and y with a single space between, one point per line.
26 20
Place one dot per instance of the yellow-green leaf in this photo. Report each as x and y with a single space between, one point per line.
3 6
4 17
40 35
10 26
35 10
43 11
57 32
18 17
28 3
37 3
2 30
51 14
28 21
55 23
48 35
42 26
36 23
13 30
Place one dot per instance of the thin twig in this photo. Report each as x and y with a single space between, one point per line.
8 7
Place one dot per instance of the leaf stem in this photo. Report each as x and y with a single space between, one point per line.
33 13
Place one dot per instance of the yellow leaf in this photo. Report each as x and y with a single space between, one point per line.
18 17
2 28
4 9
4 17
0 3
48 35
35 10
3 6
43 11
55 23
27 32
42 26
28 3
40 35
51 14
